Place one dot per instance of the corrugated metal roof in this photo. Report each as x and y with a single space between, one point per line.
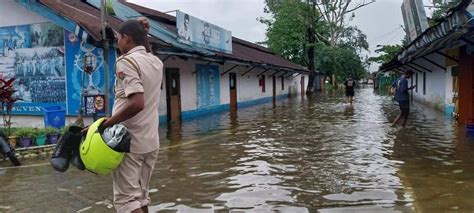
88 17
445 34
242 50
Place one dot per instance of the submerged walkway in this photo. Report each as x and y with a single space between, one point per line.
299 156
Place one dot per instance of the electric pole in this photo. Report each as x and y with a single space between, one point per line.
103 11
311 42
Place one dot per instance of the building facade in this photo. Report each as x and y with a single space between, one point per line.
47 46
441 59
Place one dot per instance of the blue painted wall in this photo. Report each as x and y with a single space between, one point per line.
208 86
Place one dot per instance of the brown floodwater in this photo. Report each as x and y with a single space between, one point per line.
300 155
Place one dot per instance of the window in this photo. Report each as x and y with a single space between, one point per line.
261 82
424 83
232 81
282 83
416 89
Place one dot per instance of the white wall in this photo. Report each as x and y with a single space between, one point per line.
435 83
14 14
187 82
225 87
248 87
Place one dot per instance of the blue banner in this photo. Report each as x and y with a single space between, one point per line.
208 85
94 84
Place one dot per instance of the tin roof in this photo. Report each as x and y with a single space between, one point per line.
241 49
88 17
452 31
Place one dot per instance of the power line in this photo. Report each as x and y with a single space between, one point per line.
378 38
386 34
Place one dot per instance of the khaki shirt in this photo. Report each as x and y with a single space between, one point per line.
140 72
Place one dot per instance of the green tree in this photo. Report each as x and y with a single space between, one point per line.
336 47
386 53
291 44
336 12
341 61
354 38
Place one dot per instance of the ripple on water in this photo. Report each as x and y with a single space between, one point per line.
298 156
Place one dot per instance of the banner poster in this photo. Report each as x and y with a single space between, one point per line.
199 33
94 84
94 104
34 55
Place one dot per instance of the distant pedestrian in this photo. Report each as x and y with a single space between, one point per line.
402 97
350 84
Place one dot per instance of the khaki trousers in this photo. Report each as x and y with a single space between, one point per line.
131 181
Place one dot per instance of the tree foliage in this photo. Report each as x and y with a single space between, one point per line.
337 46
286 32
386 53
336 12
341 61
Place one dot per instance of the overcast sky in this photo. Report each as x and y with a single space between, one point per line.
380 21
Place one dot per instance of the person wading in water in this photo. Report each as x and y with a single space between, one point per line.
400 86
350 84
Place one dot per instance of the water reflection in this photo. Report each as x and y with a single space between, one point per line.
294 156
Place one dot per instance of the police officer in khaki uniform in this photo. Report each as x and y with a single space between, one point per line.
137 94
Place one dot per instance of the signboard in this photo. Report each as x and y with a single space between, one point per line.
414 16
419 14
405 20
408 19
94 83
34 55
196 32
94 104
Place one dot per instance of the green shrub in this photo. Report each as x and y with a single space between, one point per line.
40 132
52 131
25 132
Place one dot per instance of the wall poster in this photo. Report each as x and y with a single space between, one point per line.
34 55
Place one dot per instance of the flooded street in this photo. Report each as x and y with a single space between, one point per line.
299 156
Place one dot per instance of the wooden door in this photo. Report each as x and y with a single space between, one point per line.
173 95
233 91
274 89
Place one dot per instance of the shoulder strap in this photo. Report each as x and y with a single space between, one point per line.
133 63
